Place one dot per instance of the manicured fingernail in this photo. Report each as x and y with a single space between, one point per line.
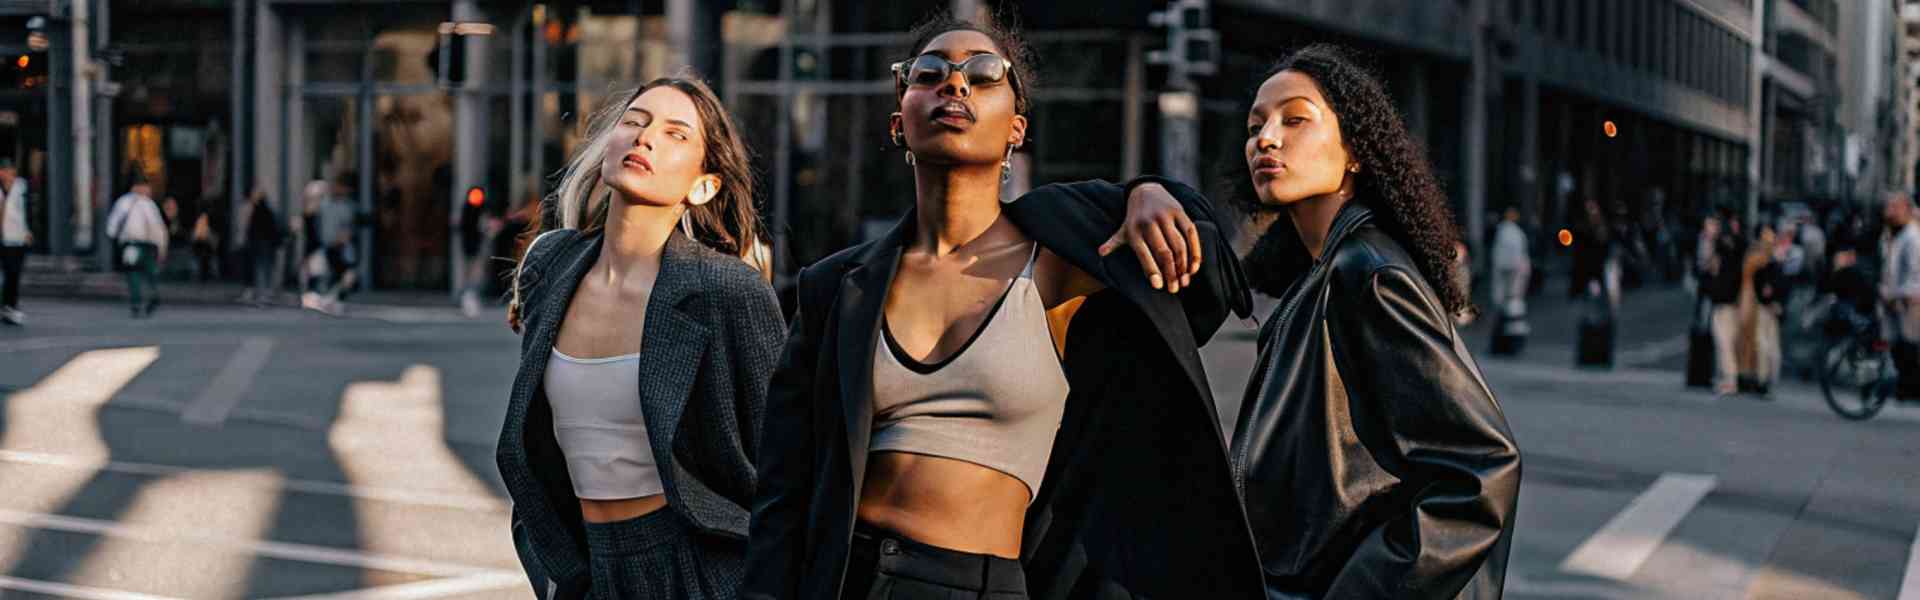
1156 281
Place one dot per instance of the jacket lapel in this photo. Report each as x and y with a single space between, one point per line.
863 294
672 343
565 279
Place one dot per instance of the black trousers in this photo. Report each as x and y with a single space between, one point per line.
884 565
13 259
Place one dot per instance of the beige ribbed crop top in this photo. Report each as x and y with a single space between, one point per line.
996 402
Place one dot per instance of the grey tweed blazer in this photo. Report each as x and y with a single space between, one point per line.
713 333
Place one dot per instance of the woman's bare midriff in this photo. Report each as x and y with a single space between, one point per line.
608 511
952 504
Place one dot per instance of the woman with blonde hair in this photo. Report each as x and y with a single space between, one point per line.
647 340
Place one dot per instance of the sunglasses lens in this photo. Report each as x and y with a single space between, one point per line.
985 69
927 70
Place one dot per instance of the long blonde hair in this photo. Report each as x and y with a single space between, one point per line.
729 223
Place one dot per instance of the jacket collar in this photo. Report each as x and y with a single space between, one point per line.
1350 218
863 294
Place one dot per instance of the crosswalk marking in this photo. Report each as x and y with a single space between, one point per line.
309 486
71 591
1618 549
281 550
91 378
224 393
1910 584
420 590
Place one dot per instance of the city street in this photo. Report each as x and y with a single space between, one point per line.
217 452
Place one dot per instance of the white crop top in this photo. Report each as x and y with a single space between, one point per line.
600 428
996 402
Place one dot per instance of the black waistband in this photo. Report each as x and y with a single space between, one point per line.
878 550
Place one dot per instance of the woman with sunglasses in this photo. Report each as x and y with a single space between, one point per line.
1374 459
945 424
646 348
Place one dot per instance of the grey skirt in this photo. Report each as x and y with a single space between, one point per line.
661 555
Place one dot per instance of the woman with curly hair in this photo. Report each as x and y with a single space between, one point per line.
1372 457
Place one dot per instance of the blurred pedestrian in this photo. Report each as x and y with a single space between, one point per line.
1758 348
1813 241
1366 399
16 236
1721 269
1852 290
262 248
140 237
1512 267
646 424
206 245
1900 288
1592 247
331 266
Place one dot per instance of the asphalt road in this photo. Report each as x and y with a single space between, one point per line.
223 452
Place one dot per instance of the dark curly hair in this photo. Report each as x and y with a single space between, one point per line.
1395 180
1003 29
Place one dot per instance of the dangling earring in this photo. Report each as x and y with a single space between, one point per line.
1006 164
686 223
901 142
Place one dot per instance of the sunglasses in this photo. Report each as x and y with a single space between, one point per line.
930 70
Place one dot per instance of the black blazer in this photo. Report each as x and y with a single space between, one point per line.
1376 462
712 333
1138 499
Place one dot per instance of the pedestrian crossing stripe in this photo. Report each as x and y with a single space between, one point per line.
1618 549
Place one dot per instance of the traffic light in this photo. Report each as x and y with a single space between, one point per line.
24 71
1193 47
472 212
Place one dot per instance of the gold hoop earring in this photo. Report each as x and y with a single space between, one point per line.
909 158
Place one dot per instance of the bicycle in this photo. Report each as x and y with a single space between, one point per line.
1861 367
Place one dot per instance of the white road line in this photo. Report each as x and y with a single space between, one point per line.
1617 550
1910 584
91 378
71 591
281 550
218 400
420 590
392 495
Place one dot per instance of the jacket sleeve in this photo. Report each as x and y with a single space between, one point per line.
1089 212
758 334
1219 288
1452 452
777 534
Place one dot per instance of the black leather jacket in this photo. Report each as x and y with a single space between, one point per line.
1373 458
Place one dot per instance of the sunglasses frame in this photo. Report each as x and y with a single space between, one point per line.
901 68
